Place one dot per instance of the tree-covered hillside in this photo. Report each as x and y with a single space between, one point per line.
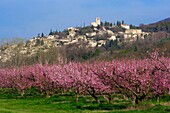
163 25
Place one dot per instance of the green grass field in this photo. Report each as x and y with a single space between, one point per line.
12 103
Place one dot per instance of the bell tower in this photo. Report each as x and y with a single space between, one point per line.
98 20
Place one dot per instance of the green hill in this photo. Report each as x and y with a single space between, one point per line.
163 25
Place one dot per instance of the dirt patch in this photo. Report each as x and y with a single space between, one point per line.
166 104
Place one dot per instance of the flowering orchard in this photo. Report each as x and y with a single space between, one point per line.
134 79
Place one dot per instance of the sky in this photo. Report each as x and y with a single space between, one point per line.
27 18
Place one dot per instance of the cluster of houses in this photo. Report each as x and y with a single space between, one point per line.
95 38
129 35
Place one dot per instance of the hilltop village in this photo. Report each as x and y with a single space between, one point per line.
95 35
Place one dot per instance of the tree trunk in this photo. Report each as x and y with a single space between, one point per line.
48 94
135 101
22 92
97 99
125 97
108 97
158 99
94 96
77 97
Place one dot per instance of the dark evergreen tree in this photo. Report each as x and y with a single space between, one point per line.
118 23
42 35
123 22
84 25
38 35
111 24
56 32
51 32
101 23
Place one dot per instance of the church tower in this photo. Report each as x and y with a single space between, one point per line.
98 21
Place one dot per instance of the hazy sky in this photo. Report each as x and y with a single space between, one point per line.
27 18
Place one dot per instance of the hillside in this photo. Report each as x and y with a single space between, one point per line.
100 41
163 25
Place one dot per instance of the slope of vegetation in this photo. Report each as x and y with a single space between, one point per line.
163 25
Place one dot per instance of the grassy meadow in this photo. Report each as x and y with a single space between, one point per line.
10 102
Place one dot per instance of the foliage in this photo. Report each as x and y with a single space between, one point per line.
133 27
163 41
118 23
112 45
85 30
163 25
